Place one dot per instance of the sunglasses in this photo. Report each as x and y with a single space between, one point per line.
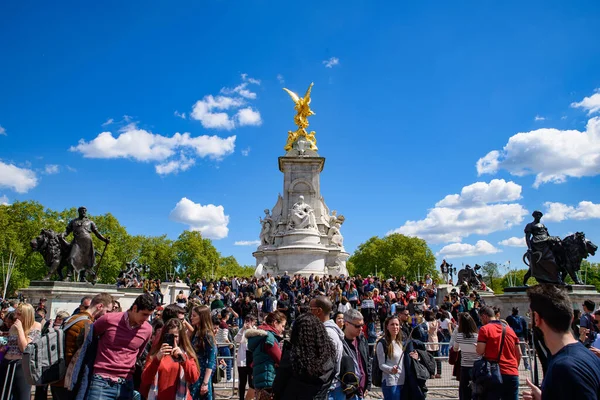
357 326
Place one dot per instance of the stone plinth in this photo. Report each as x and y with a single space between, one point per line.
517 297
299 247
67 295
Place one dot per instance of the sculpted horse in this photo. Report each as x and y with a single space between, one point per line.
54 249
568 253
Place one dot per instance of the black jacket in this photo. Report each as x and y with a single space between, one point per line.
347 364
416 371
289 385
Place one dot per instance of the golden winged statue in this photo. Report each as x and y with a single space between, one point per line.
302 107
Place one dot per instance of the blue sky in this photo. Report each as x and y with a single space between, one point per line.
413 102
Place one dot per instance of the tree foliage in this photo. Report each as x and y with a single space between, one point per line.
395 255
21 222
491 273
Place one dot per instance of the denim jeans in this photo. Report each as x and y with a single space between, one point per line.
390 392
226 352
509 390
103 389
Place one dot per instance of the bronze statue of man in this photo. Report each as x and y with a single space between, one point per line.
542 263
81 257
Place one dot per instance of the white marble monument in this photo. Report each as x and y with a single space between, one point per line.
300 235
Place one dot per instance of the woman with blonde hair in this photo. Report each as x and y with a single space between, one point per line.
171 365
23 332
205 345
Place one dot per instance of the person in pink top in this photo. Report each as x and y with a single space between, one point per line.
122 339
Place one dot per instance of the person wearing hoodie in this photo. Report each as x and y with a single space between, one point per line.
308 363
264 344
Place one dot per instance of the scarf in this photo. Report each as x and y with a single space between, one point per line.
181 393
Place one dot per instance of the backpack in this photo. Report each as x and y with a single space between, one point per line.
44 358
376 373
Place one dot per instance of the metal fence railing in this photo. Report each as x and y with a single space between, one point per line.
444 387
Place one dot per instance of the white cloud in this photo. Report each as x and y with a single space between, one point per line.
245 152
591 103
203 111
280 79
247 243
174 166
2 131
551 154
178 114
242 88
213 112
18 179
333 61
514 242
539 118
70 169
458 216
4 202
560 212
51 169
108 122
248 116
210 220
142 145
498 190
456 250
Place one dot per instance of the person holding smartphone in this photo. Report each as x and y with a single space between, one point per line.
171 365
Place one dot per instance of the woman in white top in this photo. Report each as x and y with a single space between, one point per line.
465 340
390 360
244 370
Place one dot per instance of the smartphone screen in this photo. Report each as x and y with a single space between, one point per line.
170 339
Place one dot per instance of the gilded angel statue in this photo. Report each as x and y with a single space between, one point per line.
302 107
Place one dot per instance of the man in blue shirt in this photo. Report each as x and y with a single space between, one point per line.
573 370
519 325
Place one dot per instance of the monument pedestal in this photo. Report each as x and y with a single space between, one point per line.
307 250
67 295
517 297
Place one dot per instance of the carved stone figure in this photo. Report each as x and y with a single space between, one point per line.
302 216
54 249
267 231
471 276
81 257
335 236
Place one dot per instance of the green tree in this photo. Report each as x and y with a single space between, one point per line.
491 272
396 255
229 267
195 255
159 253
515 278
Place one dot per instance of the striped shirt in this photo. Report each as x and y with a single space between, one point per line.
467 346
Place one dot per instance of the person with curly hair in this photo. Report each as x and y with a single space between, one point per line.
307 366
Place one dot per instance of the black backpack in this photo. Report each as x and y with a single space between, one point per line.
377 373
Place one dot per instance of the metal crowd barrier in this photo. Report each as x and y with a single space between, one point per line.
222 388
446 387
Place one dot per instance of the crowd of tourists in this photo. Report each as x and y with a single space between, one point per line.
294 337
